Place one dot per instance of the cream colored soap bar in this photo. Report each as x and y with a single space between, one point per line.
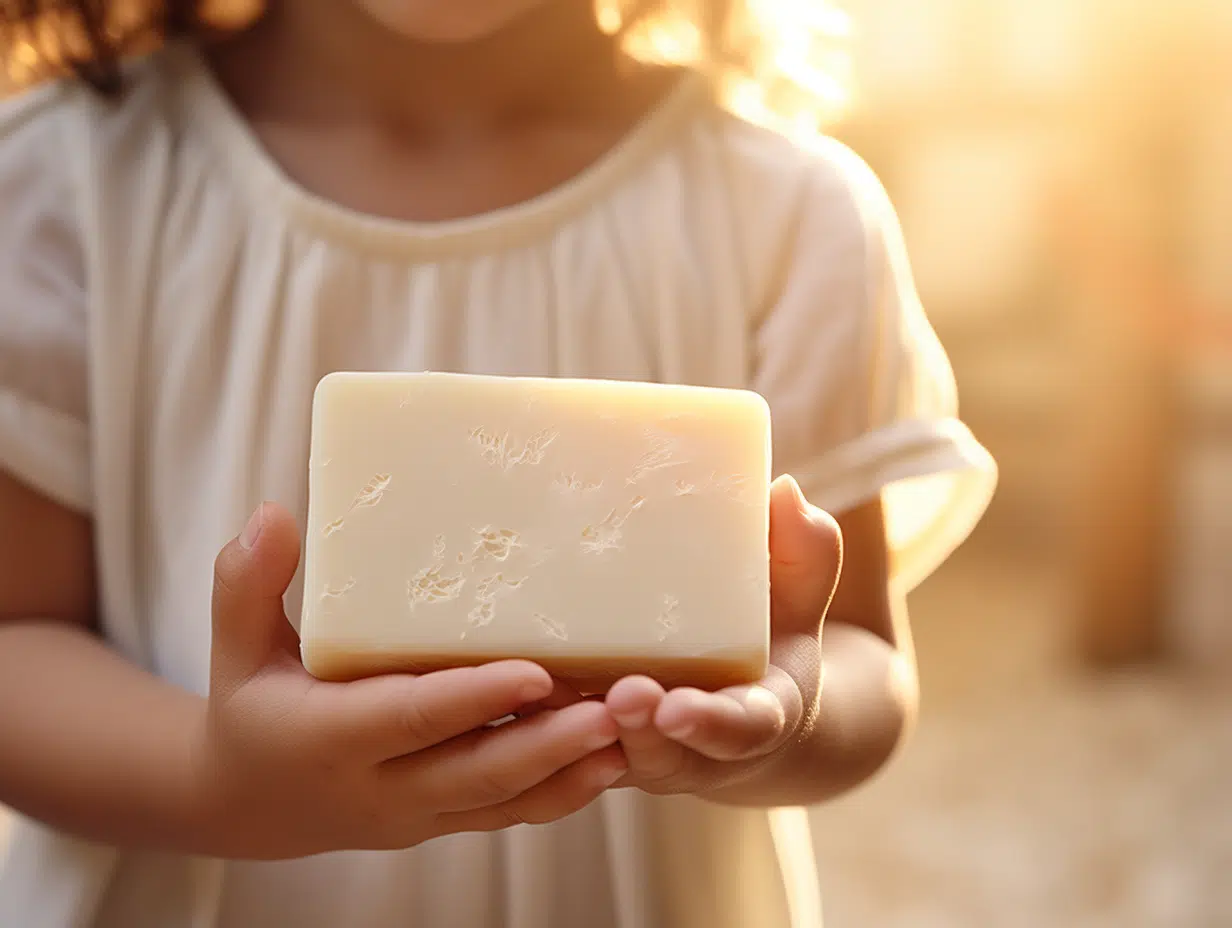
599 528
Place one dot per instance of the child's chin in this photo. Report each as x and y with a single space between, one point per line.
447 21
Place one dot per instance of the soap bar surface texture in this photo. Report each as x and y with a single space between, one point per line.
599 528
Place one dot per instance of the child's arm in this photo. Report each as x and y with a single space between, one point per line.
274 763
864 405
87 741
831 710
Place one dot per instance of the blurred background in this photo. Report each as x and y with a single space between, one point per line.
1063 169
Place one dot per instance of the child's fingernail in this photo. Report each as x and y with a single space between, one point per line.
680 730
252 531
798 495
599 740
636 719
536 690
758 699
608 775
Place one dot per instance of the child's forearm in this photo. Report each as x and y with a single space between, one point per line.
864 708
95 746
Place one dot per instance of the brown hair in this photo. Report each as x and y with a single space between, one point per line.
89 38
772 60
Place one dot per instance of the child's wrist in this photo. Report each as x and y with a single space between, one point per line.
207 815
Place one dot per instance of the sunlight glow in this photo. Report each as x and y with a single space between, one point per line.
791 70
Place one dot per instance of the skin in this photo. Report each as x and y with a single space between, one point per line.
789 739
490 123
275 764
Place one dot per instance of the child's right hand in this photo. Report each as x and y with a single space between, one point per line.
292 766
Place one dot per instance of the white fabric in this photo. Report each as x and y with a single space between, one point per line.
168 300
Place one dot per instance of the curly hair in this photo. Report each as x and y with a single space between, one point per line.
40 39
779 62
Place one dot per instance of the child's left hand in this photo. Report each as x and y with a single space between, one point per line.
690 741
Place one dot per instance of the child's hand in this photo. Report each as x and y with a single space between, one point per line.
690 741
293 766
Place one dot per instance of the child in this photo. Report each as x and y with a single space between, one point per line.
186 248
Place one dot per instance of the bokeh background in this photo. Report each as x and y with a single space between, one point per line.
1063 169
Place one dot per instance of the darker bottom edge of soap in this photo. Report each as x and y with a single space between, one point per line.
587 675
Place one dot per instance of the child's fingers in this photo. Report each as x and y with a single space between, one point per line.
806 556
565 792
633 701
734 724
495 765
562 695
251 574
387 717
652 756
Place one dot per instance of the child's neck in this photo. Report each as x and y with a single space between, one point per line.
332 61
423 132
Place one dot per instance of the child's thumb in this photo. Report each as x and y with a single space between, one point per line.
251 574
806 557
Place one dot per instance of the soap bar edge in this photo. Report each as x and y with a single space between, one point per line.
310 656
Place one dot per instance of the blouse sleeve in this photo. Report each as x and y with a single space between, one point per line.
862 394
44 433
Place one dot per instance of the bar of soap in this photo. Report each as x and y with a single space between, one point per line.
598 528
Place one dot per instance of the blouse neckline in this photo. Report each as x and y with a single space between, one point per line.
216 118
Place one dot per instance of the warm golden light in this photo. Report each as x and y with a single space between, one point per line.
793 67
608 16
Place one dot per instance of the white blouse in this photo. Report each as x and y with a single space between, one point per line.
169 299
